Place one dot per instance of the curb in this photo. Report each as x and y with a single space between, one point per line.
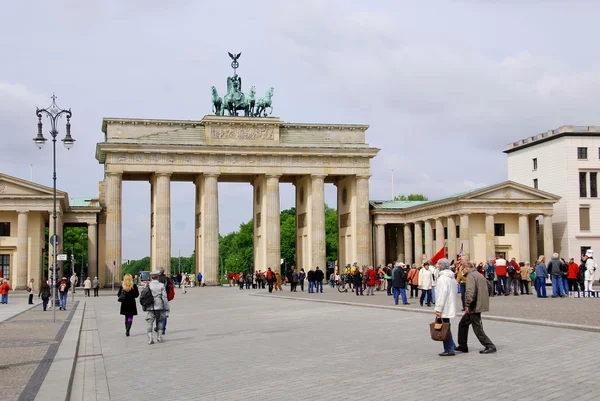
55 387
544 323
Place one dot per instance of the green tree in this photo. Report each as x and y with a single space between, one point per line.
331 233
411 197
75 246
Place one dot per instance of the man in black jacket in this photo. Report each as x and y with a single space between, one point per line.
388 272
319 276
399 276
310 276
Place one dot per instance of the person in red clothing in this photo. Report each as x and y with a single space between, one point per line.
370 276
501 274
572 275
513 273
4 289
230 277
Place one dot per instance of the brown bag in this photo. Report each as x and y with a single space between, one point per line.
440 331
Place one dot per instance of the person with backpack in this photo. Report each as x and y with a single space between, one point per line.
555 273
127 294
513 272
270 276
501 270
399 280
154 301
63 292
170 290
490 274
44 294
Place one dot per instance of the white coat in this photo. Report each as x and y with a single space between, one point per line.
445 294
590 269
87 284
425 279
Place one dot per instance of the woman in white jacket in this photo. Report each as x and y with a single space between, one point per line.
590 270
445 307
425 283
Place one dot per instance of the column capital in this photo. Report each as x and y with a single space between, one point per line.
21 211
321 176
524 214
212 175
367 176
163 174
547 215
114 174
92 223
490 213
273 175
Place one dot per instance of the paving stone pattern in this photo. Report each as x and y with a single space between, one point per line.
224 344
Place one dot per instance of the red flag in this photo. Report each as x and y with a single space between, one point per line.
439 255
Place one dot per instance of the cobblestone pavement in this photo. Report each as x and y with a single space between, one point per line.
28 342
224 344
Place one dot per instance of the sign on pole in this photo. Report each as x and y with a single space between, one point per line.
62 256
55 238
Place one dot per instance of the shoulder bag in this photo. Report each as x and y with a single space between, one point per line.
439 330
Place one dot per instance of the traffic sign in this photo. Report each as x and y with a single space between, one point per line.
62 256
55 238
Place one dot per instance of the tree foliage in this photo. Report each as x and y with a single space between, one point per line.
411 197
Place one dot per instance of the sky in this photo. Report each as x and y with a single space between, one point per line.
444 85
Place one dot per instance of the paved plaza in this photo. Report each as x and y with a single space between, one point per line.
227 344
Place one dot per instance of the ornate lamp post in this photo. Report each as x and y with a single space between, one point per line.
54 113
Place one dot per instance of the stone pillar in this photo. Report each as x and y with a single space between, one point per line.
490 237
211 229
440 239
272 225
418 243
408 249
452 252
21 281
533 241
391 254
318 240
548 237
198 238
113 228
524 238
162 222
363 225
92 247
465 235
400 255
380 243
429 238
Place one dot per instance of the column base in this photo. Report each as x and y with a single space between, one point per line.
211 283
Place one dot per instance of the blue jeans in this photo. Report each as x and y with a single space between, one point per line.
432 300
4 298
557 286
396 294
540 285
318 286
63 299
449 343
311 285
565 285
502 284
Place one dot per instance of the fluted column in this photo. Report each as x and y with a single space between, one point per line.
113 227
524 238
408 250
465 235
400 255
272 225
452 238
429 238
318 221
418 243
92 247
22 250
440 239
162 220
490 237
533 241
380 243
548 237
363 225
211 229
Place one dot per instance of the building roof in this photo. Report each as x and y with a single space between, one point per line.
400 205
84 202
565 130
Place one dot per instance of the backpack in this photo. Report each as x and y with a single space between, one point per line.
511 269
170 291
269 275
146 297
63 286
564 267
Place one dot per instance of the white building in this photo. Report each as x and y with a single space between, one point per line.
565 162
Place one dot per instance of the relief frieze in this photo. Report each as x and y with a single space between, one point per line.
242 133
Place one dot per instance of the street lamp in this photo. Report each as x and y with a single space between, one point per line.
54 113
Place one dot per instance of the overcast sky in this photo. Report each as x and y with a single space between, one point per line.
444 85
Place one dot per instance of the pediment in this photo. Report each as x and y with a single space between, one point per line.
12 186
510 191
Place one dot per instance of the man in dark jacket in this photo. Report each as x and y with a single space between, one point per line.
310 276
388 272
399 276
477 301
168 284
270 276
556 275
319 276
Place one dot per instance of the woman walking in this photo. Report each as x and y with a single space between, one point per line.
425 283
127 295
44 294
358 281
525 277
30 291
87 286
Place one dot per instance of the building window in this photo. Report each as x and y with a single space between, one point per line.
457 231
535 163
582 153
5 266
537 226
584 249
499 229
535 183
445 232
434 234
594 185
584 218
4 229
583 185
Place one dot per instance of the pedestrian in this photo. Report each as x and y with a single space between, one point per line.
74 280
199 279
477 301
185 282
30 291
399 279
319 277
525 277
270 279
370 278
95 286
248 280
170 291
136 280
4 289
445 307
572 275
555 272
358 279
541 273
425 283
294 280
490 274
388 278
87 285
513 272
44 294
413 280
63 292
461 279
158 311
278 281
590 270
301 278
240 280
501 274
311 280
127 294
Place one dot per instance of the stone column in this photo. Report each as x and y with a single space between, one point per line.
548 237
380 242
363 224
524 238
440 239
113 228
490 237
390 244
408 249
429 238
162 221
452 252
21 281
318 221
211 229
465 235
533 241
400 255
92 247
418 243
198 239
272 225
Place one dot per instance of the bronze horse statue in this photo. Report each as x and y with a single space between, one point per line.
263 104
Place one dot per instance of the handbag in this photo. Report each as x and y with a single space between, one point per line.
439 330
122 296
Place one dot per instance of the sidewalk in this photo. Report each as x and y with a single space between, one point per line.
15 306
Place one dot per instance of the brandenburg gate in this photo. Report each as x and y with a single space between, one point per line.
255 148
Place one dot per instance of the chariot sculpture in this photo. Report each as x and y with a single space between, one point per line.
235 100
